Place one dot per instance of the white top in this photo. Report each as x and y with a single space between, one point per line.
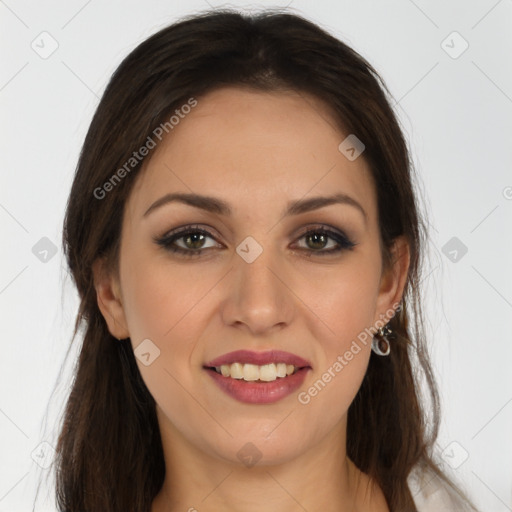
430 494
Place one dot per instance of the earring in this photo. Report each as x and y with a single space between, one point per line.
381 345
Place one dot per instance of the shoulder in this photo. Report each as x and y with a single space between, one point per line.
431 494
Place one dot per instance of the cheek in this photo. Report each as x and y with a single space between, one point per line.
163 304
343 302
160 298
344 308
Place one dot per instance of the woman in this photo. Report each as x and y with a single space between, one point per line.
244 235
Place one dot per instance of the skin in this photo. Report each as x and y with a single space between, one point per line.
257 151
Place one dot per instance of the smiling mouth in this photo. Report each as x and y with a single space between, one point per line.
255 373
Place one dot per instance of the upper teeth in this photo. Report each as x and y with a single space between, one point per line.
250 372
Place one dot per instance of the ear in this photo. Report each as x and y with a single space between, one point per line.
108 295
393 280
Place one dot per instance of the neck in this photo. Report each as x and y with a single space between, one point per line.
322 478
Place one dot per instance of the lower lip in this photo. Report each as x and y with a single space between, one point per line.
259 392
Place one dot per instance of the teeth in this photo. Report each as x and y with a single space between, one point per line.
268 372
253 372
235 371
281 370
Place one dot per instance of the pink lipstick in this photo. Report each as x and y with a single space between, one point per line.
258 377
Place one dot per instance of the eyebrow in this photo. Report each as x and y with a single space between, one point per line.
218 206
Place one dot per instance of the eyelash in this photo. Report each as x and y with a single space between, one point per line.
167 241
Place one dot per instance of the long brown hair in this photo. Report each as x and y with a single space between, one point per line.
109 451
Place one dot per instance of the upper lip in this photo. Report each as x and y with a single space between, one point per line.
259 358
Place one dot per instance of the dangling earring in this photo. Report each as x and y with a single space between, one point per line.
381 345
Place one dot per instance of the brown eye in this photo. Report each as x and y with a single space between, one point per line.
188 241
193 241
317 240
324 241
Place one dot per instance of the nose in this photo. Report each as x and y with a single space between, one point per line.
258 298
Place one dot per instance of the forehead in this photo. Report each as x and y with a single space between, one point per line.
254 148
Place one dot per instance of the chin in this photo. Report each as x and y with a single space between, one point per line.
259 450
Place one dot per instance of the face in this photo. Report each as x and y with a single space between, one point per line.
259 268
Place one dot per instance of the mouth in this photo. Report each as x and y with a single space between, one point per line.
255 373
258 384
257 366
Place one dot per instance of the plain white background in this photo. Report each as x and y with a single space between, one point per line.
456 109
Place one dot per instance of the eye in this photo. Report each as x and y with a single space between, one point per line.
323 241
188 241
